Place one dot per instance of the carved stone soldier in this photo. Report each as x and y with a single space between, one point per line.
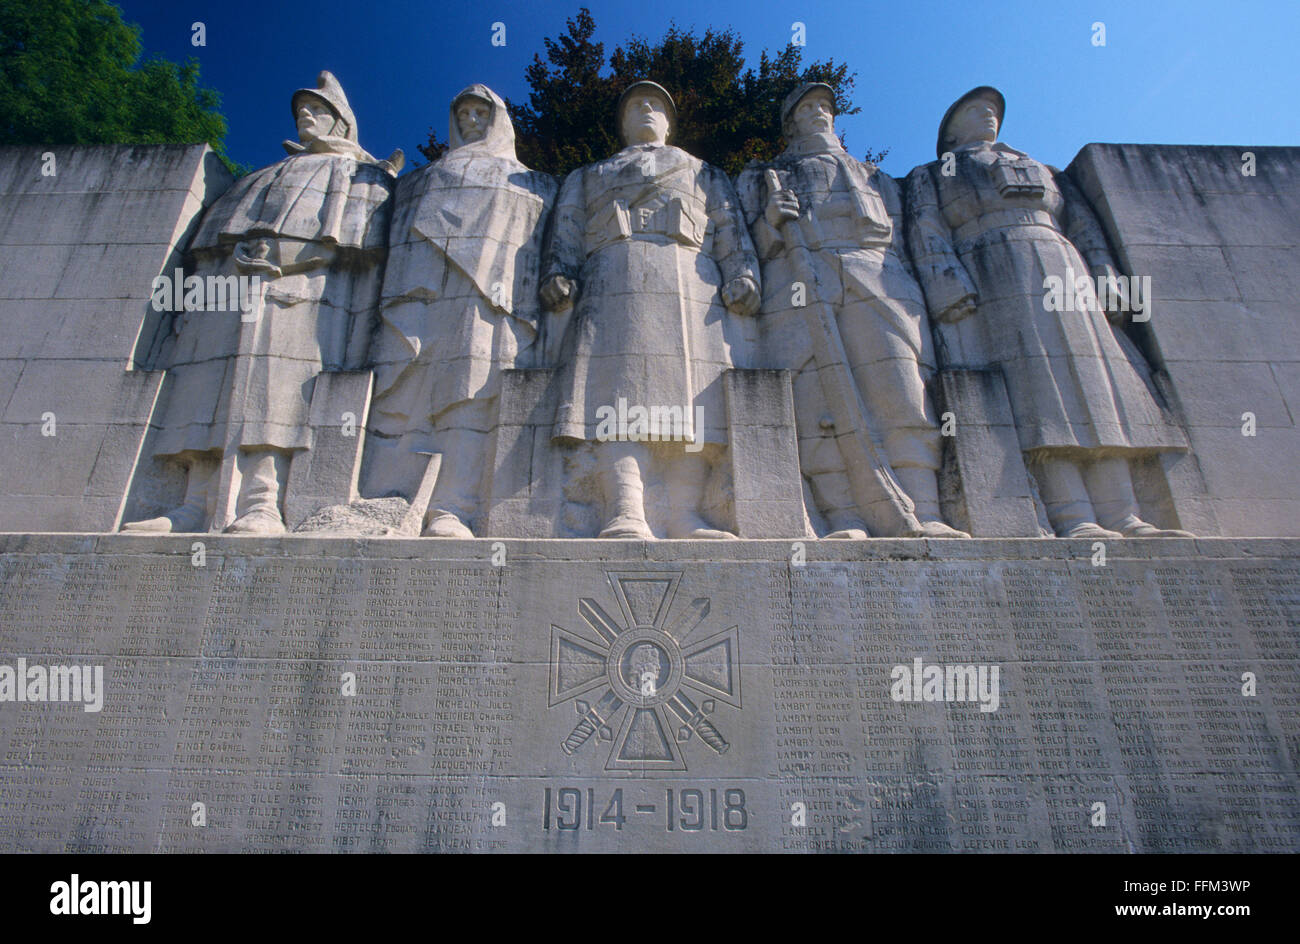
652 245
816 202
459 305
313 228
986 237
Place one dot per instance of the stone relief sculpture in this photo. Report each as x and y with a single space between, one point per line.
828 229
984 238
459 304
639 276
651 248
312 228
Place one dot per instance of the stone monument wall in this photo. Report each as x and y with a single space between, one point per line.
1220 246
330 692
326 694
80 249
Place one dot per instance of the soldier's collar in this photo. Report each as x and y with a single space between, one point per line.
995 146
330 144
821 143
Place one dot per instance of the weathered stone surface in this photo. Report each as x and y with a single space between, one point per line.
1217 243
764 455
1220 246
330 470
993 494
842 306
441 356
81 249
459 307
1119 684
525 495
650 250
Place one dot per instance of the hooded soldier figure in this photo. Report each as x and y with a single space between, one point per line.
652 245
986 237
848 214
459 306
312 228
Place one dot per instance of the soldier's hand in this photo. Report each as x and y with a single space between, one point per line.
256 257
741 296
394 163
782 204
558 292
963 308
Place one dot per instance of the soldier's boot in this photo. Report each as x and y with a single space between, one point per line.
687 475
1110 483
262 473
922 486
619 468
834 499
444 523
190 515
1069 507
455 496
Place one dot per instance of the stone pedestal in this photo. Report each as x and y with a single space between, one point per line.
327 473
325 694
994 498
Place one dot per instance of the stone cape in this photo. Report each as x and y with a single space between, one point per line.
607 696
314 198
1074 382
475 216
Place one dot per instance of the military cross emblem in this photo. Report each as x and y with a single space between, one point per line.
641 683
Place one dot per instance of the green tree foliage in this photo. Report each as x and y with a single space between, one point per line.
727 114
70 73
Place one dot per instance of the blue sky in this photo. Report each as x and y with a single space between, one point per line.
1189 72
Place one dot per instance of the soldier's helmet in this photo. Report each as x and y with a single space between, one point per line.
982 91
330 92
794 98
660 92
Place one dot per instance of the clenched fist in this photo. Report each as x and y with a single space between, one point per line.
741 296
558 292
782 204
964 307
